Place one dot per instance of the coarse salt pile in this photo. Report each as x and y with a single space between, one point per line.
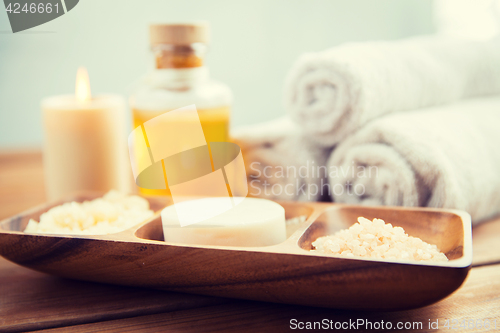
377 240
112 213
292 224
295 221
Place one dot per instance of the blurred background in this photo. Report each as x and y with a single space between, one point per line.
254 43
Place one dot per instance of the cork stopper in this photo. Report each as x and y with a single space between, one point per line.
179 33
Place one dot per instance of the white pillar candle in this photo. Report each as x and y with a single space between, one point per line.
252 222
85 145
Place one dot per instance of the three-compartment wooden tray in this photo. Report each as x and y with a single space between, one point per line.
285 273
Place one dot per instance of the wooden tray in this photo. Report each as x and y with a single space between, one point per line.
284 273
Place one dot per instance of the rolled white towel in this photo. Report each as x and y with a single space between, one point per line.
280 163
446 157
334 92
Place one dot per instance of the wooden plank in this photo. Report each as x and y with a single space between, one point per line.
478 299
486 243
30 300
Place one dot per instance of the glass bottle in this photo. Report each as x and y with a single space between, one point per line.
180 79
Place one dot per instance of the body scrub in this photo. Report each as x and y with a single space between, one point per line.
376 239
112 213
252 222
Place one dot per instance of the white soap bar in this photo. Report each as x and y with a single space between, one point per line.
252 222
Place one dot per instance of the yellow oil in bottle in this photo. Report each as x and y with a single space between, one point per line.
179 51
214 122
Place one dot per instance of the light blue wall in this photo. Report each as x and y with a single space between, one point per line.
254 44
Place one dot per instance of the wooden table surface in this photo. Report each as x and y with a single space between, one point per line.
34 301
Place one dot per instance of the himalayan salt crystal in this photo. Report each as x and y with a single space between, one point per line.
379 240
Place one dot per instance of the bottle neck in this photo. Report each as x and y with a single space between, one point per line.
168 56
177 78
